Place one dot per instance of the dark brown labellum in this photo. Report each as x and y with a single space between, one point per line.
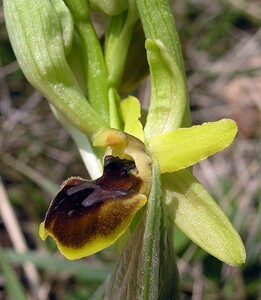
84 210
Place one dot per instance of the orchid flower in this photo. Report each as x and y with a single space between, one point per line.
145 168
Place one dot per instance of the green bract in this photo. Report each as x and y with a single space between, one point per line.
41 39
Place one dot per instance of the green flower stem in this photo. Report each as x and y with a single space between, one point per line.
93 60
159 26
146 269
117 43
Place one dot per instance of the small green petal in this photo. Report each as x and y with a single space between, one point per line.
195 212
130 114
184 147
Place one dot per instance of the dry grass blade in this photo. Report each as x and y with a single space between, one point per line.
18 240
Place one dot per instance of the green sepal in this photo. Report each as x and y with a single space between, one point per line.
194 212
184 147
147 267
168 91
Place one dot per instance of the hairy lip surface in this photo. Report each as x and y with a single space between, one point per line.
83 209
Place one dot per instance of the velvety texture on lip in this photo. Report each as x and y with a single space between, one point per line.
84 210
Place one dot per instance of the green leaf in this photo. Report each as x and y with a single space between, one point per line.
147 267
13 286
82 270
184 147
168 91
194 212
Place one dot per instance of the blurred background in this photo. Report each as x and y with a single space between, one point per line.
221 43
